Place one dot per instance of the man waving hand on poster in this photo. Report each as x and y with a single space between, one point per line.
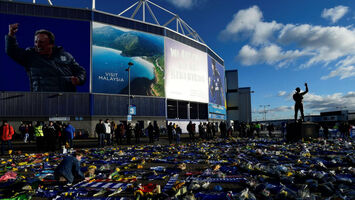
49 67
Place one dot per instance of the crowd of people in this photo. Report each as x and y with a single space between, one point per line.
47 136
109 133
56 135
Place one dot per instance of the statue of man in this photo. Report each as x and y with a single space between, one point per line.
298 96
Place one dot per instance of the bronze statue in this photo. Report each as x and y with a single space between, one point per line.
298 96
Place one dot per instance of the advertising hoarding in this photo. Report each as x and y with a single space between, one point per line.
216 111
186 75
39 63
113 48
216 82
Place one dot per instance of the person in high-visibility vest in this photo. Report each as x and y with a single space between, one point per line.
39 135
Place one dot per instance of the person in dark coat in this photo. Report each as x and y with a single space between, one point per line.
49 67
156 131
100 130
170 132
137 133
150 132
50 134
189 130
69 169
31 133
178 134
129 133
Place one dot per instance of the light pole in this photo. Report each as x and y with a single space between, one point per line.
130 64
265 111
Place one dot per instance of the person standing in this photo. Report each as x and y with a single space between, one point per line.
70 130
118 134
189 130
108 131
150 132
223 128
178 134
27 135
193 131
200 130
113 131
129 133
137 132
21 129
100 131
209 130
38 132
298 97
51 136
283 129
60 134
31 133
156 130
121 133
170 132
270 129
213 130
6 131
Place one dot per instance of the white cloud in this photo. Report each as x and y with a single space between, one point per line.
183 3
349 60
342 72
281 45
271 54
249 21
281 93
281 109
329 102
326 43
334 14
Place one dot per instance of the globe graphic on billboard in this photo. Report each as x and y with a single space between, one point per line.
113 48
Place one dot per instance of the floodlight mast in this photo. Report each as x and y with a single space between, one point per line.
181 26
49 1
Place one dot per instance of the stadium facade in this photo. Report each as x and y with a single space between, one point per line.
173 77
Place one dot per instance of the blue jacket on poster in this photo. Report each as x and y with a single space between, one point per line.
70 131
46 74
69 168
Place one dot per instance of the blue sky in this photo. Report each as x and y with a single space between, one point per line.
276 45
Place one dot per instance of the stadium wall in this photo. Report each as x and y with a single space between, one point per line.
86 106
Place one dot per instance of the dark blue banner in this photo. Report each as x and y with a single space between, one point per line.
27 64
216 82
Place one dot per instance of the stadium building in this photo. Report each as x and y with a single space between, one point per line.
173 75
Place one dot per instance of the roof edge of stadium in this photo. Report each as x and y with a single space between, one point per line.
181 26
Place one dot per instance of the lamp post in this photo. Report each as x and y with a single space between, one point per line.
130 64
265 111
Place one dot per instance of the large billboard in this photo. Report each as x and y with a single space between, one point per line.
216 82
44 54
186 76
113 48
